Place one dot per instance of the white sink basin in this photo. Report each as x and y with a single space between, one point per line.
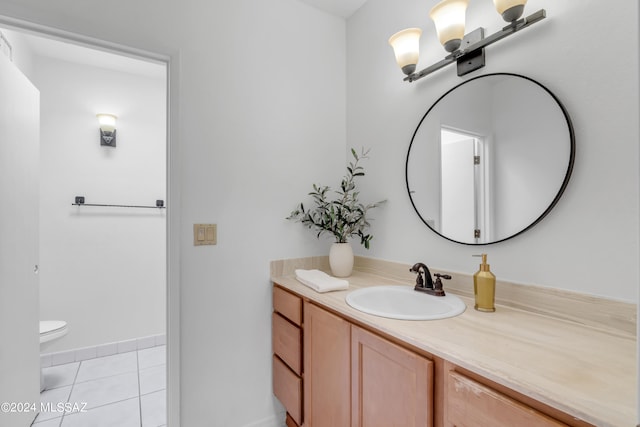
403 302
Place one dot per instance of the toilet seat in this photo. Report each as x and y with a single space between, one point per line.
52 329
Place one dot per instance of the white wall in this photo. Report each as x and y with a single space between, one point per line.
21 54
102 269
262 110
589 242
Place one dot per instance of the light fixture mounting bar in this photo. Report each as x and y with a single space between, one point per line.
474 48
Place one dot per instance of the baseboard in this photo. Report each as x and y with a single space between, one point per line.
109 349
276 420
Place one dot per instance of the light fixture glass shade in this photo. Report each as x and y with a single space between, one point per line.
406 46
510 10
107 122
449 17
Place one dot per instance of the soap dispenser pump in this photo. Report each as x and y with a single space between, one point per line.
484 287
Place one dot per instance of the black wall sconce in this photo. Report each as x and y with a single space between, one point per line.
465 50
107 129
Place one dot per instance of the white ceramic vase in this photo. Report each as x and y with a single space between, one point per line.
341 259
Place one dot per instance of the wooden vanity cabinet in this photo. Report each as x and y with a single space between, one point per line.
348 376
330 372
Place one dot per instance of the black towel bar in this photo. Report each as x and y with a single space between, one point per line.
79 201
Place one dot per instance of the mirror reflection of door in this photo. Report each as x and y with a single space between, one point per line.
464 196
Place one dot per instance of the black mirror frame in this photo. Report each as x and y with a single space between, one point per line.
572 156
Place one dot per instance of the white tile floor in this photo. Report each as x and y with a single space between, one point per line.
126 389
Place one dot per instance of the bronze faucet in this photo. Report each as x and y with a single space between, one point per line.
431 288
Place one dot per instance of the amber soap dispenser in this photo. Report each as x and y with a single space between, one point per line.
484 287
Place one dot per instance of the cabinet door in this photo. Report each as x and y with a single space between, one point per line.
471 404
327 379
391 386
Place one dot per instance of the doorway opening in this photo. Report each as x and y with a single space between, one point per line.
102 269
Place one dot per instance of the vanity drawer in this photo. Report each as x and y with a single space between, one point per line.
287 342
472 404
287 387
288 305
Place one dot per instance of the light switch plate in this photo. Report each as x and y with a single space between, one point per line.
205 234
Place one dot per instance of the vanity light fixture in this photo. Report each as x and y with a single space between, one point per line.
449 16
465 50
406 46
107 129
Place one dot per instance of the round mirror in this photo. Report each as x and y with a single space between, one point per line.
490 159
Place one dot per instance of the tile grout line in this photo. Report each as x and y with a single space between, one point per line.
75 377
139 387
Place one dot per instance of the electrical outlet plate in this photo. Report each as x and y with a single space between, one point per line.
205 234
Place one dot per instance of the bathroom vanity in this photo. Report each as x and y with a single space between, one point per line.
334 365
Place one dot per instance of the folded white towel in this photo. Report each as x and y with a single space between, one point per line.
320 281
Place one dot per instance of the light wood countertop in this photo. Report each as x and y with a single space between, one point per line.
587 372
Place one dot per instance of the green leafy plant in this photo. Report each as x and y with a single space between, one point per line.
344 216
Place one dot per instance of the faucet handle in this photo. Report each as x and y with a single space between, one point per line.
437 286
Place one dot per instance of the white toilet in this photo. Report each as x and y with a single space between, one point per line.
50 330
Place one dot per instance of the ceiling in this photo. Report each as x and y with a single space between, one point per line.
341 8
